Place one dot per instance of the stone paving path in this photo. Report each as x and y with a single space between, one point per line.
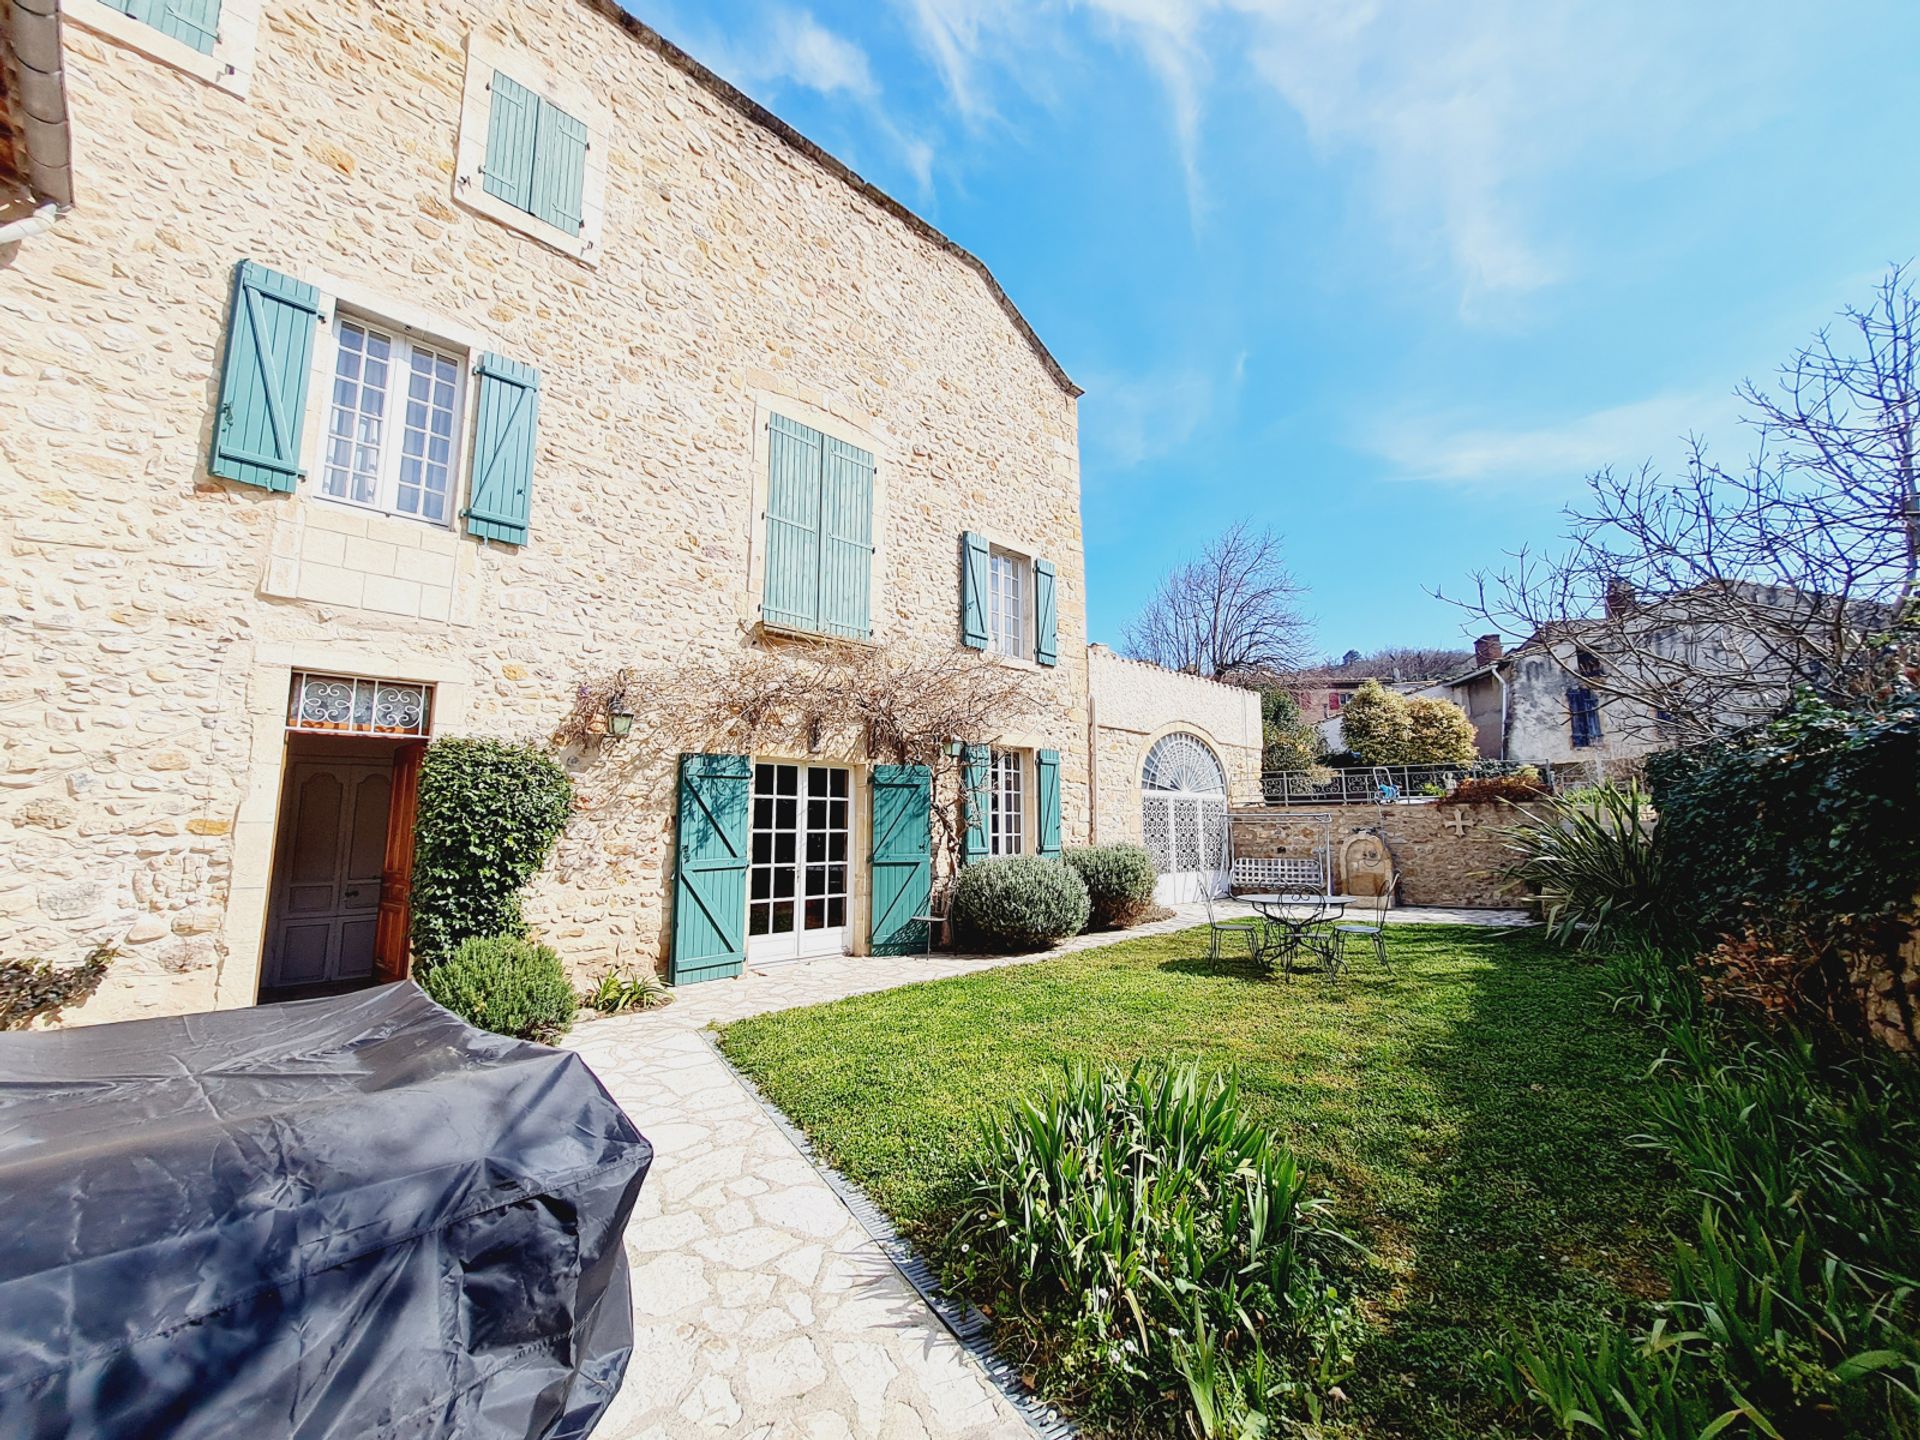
762 1309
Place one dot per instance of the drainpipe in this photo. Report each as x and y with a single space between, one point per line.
1093 766
33 34
1505 696
25 228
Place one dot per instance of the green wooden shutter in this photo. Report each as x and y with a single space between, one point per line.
790 594
194 22
974 632
559 167
710 868
1046 613
1046 769
846 539
513 118
263 380
500 501
976 775
902 875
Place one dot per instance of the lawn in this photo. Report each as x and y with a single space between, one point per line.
1469 1114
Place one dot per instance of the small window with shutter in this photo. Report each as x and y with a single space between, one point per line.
1008 602
531 148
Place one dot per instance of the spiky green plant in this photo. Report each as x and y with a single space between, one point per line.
1150 1242
1593 864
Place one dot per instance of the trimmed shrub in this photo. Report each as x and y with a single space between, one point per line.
1375 725
1288 742
1019 903
1119 881
32 988
1155 1256
507 985
1439 733
1493 789
488 815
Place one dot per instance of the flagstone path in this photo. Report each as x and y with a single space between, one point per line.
762 1308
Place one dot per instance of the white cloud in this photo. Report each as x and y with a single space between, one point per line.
1458 118
1131 419
1552 458
795 48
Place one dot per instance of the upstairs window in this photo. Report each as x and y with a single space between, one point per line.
536 155
819 515
1583 714
393 423
1009 608
1007 827
191 22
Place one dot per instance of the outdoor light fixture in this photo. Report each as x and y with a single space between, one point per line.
619 718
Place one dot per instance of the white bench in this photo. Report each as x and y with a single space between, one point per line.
1285 876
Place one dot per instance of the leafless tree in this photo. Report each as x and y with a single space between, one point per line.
1707 597
1232 612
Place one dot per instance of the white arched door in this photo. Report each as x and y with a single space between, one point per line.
1183 819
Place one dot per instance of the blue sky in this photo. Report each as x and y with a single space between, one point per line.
1387 277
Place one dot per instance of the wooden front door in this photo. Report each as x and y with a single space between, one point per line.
392 960
328 873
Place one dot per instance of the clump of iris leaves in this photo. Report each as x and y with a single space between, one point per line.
1154 1259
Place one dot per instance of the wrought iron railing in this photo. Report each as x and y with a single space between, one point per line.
1375 784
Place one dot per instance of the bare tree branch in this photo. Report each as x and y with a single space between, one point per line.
1232 612
1707 597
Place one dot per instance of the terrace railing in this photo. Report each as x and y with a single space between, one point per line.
1374 784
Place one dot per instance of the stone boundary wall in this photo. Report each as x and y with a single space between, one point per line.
1446 853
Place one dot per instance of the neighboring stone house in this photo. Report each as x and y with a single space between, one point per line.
1171 752
401 369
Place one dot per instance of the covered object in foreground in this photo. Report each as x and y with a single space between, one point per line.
356 1217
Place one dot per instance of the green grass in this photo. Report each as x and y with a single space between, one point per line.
1469 1115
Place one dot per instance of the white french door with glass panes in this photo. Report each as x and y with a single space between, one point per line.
798 875
393 423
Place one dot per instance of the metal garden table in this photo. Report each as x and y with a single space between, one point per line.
1291 920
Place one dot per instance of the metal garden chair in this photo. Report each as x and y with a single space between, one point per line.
1218 929
1362 933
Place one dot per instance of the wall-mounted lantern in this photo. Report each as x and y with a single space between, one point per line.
619 718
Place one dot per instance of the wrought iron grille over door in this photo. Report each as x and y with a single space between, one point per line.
1184 817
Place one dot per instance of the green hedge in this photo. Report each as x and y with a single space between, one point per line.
1020 903
488 815
1808 821
1119 881
507 985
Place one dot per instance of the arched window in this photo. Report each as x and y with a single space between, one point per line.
1184 763
1183 815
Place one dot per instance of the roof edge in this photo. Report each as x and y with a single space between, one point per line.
753 110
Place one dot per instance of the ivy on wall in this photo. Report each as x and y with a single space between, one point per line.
489 813
1809 820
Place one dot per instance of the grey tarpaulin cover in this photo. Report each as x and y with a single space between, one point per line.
354 1217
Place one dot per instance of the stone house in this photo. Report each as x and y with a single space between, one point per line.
402 368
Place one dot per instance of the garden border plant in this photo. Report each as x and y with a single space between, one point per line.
488 815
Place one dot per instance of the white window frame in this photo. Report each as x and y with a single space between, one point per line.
1007 807
228 67
1010 599
405 342
484 58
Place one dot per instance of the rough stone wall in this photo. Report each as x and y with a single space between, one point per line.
145 628
1446 854
1135 703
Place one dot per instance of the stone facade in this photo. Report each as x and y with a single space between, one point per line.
1446 854
1133 704
151 616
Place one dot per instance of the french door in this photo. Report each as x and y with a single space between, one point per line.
798 876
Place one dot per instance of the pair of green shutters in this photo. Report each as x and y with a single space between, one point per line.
536 154
192 22
975 625
710 871
713 830
263 403
976 779
819 533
